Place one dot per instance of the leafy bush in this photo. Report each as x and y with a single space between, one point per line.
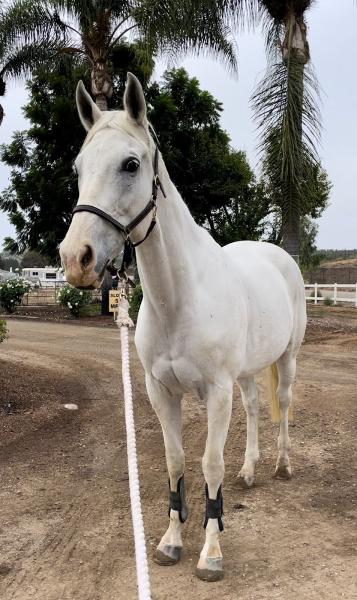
73 298
12 291
328 301
3 330
135 301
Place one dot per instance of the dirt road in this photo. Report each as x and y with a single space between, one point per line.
65 529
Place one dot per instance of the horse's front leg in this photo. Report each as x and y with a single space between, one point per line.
168 410
219 408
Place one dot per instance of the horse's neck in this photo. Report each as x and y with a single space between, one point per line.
167 260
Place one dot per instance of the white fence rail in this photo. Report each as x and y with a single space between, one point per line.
332 291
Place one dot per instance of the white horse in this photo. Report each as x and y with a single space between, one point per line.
210 315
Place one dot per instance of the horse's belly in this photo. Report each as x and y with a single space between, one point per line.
268 338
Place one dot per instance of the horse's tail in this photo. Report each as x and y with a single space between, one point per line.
274 399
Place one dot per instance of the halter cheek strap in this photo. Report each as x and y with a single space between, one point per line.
126 230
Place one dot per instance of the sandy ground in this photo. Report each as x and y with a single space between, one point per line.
65 528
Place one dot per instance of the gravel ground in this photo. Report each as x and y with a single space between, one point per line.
65 529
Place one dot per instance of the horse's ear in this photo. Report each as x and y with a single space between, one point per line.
88 111
134 101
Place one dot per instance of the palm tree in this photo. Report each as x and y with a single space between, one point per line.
287 112
285 103
18 57
97 29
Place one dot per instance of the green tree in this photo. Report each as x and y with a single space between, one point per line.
317 189
215 181
43 188
309 255
7 262
31 258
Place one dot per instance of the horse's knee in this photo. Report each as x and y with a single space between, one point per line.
213 468
175 462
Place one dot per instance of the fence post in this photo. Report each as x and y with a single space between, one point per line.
335 294
356 296
315 301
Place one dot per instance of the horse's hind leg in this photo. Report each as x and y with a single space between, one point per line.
286 365
249 394
168 410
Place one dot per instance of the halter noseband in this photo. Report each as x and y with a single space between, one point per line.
126 230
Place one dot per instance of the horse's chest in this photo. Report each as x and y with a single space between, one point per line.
176 364
177 374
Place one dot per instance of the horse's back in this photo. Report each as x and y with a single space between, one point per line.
256 256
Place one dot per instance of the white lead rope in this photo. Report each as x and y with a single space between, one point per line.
142 570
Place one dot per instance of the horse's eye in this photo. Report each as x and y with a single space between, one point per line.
131 165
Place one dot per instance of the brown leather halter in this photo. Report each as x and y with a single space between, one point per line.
126 230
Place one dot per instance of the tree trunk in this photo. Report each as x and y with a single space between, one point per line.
101 102
105 288
291 234
101 84
102 89
2 93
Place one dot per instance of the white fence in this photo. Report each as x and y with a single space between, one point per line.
337 292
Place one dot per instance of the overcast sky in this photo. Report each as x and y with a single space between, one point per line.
333 45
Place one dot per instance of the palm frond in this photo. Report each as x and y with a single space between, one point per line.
189 26
273 32
241 14
26 22
21 61
286 107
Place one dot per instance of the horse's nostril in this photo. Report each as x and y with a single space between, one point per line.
87 257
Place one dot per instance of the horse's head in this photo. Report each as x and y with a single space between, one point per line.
115 175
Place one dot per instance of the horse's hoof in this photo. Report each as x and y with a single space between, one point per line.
283 472
213 571
246 481
169 555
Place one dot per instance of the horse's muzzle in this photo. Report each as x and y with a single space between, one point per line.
80 266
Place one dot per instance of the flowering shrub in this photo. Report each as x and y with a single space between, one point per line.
12 291
73 299
3 330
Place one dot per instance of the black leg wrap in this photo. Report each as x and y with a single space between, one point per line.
178 500
214 508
